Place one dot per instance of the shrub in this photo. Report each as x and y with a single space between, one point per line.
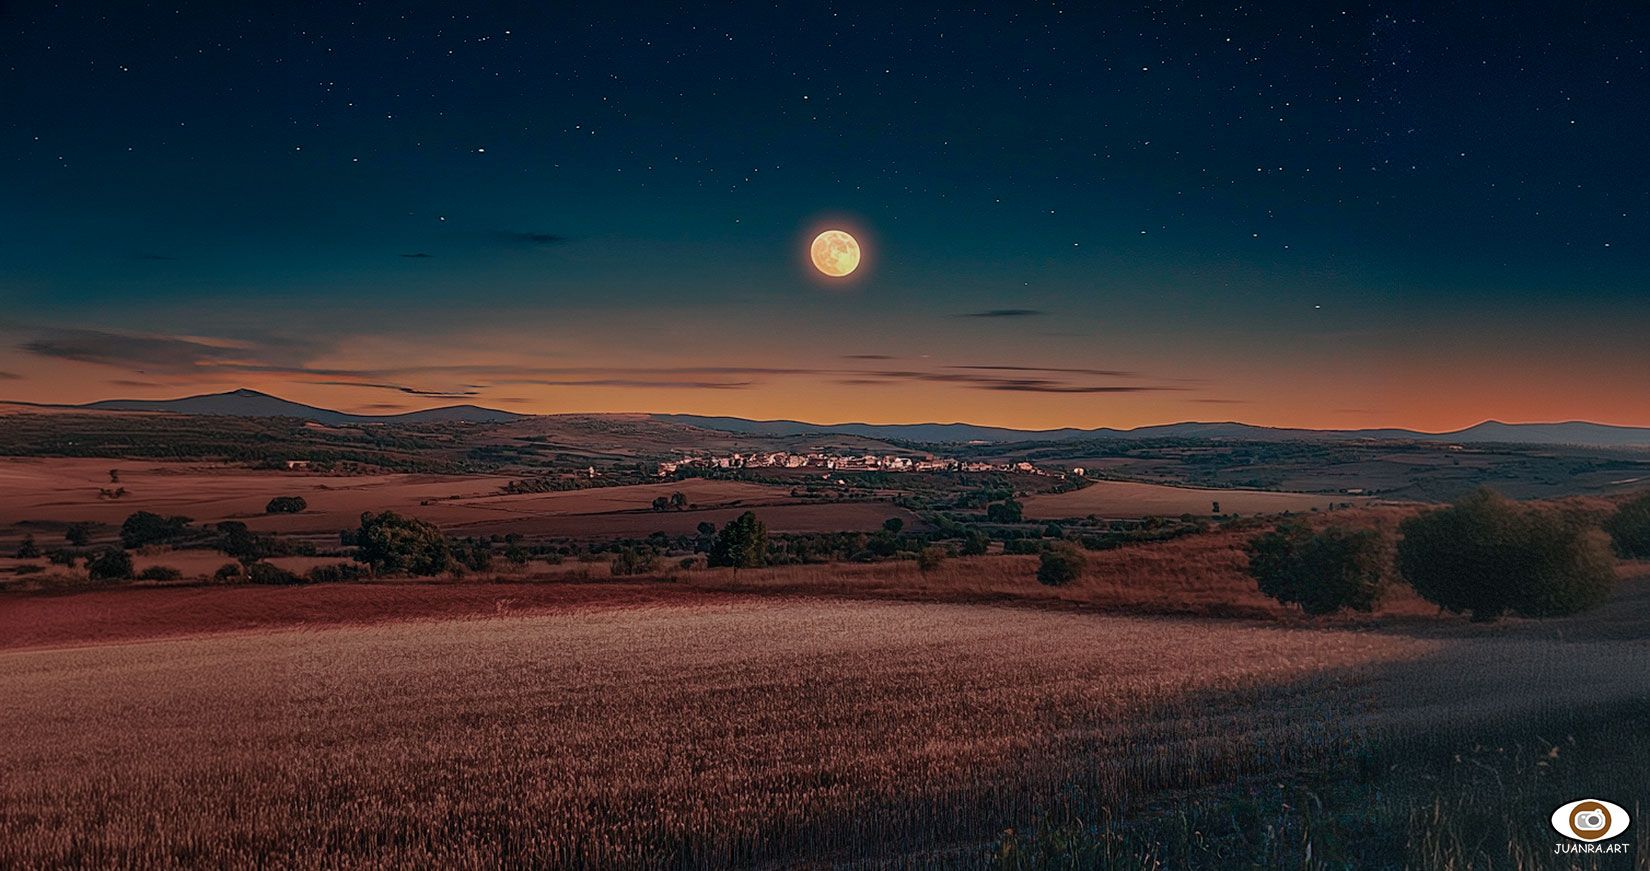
110 564
286 505
146 527
975 543
60 557
28 549
1629 528
893 525
1487 556
1322 572
390 542
1060 564
1023 546
159 573
743 543
265 573
78 534
634 561
931 557
1007 511
229 573
337 573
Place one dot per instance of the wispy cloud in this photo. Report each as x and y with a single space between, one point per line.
532 237
132 351
1004 313
418 255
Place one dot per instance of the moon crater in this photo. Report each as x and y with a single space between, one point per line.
835 253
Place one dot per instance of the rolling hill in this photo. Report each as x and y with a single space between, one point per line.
251 403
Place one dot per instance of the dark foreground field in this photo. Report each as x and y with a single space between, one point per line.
651 724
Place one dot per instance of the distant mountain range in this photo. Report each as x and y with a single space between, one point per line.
1489 432
251 403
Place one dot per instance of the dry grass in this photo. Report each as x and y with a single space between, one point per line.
1140 499
733 733
1198 575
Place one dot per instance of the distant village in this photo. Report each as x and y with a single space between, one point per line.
849 463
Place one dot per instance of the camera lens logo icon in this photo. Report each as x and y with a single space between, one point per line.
1590 820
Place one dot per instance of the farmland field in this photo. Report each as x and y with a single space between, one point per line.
704 731
70 489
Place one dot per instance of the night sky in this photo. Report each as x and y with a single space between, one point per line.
1318 215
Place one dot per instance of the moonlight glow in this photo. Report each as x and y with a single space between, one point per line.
834 253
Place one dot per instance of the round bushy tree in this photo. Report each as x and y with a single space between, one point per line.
110 564
1629 528
286 505
391 543
1322 572
1060 564
1487 556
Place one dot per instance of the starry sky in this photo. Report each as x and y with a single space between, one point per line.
1332 215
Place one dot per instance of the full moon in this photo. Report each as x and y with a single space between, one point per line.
834 253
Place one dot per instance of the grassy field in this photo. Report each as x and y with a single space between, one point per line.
1133 499
713 731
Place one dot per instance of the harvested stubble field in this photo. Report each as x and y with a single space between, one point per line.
702 733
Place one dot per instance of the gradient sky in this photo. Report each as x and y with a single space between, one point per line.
1323 215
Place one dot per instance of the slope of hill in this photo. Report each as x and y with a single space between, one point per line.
1489 432
251 403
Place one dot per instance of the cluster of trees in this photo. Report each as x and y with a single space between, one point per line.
1484 556
677 501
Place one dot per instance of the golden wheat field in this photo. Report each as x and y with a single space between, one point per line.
700 735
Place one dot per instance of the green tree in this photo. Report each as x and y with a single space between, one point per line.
975 543
78 534
1322 572
931 558
27 549
146 527
661 503
634 561
743 543
1006 511
1487 556
1060 564
893 525
678 501
1629 528
109 564
390 542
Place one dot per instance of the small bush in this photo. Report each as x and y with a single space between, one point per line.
110 564
1629 528
159 573
230 573
265 573
1322 572
1060 565
27 549
1487 556
60 557
286 505
78 534
931 557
